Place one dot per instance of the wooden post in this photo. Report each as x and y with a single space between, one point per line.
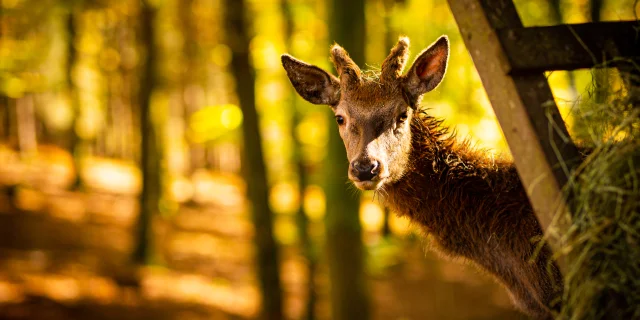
570 46
543 152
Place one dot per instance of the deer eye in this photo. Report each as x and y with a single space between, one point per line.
340 120
403 117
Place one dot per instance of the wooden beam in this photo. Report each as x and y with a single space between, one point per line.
570 46
542 149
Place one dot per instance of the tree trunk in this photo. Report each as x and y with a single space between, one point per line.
600 76
26 124
77 145
148 145
390 37
595 9
556 18
556 12
345 251
253 161
5 116
628 71
5 122
190 75
306 243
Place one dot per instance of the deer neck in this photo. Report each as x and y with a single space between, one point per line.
447 183
474 206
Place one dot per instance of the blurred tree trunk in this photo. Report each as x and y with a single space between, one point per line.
595 10
253 160
75 142
26 124
12 122
629 71
386 228
556 18
5 123
556 12
345 251
127 76
72 56
306 243
600 76
390 38
390 35
183 109
190 75
150 157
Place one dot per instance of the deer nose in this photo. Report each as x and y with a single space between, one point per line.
365 170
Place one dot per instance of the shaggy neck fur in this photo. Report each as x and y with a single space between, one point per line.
475 207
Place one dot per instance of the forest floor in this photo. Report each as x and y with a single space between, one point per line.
65 255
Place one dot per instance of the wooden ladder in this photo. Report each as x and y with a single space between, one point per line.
511 61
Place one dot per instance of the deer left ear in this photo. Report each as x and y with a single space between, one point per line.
312 83
428 70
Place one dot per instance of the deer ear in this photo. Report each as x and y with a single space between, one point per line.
312 83
428 70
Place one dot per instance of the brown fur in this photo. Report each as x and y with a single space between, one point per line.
473 205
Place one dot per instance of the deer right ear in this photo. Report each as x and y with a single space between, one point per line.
312 83
428 70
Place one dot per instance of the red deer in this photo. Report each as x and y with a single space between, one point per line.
472 205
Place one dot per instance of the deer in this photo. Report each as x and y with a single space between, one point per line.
471 204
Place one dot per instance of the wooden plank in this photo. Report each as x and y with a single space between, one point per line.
542 149
570 46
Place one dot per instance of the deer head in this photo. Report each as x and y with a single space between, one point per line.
373 114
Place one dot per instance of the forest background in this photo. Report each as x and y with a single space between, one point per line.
155 160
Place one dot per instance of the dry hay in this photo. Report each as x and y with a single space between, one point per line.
601 237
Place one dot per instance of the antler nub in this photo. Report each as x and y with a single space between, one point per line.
348 70
394 64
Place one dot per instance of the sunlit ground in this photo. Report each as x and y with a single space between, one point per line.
73 247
